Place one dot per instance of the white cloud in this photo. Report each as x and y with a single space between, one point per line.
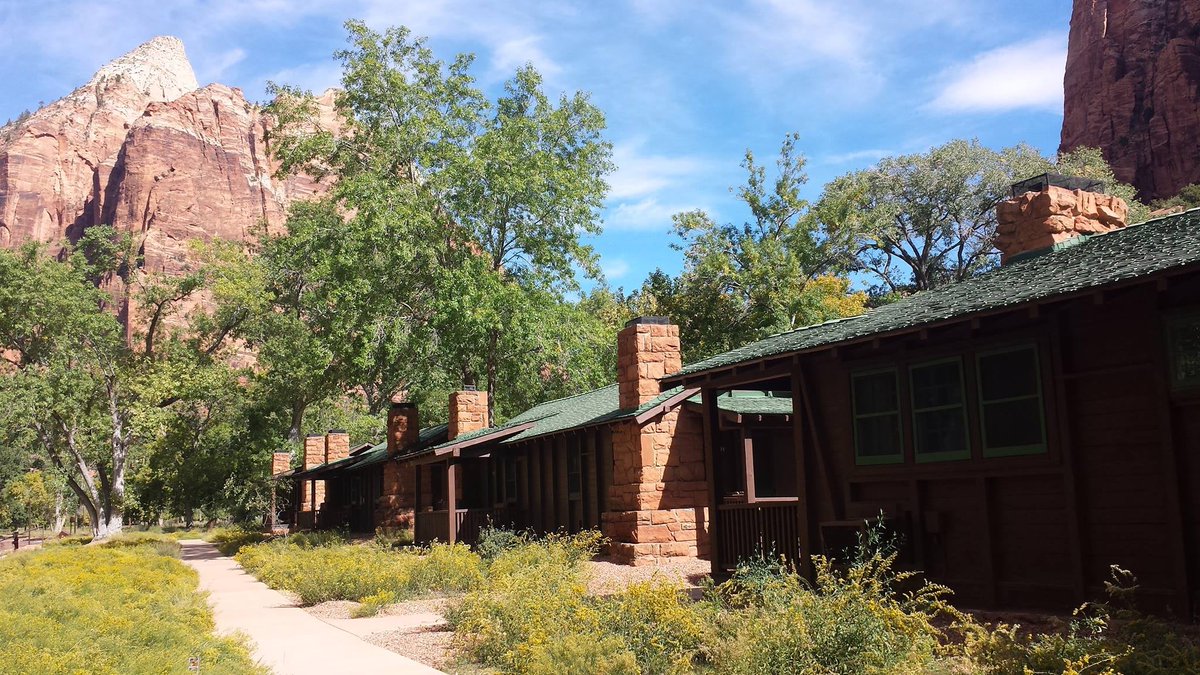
638 174
512 54
315 77
614 269
643 215
212 70
1025 75
870 154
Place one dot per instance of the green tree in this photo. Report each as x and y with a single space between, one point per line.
448 218
776 271
31 500
922 220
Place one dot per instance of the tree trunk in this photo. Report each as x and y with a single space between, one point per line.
492 367
297 421
60 518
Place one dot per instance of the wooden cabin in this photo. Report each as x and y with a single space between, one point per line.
1020 431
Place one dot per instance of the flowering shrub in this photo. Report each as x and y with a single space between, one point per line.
114 609
230 540
319 569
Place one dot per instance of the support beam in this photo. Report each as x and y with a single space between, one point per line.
709 422
799 419
748 461
452 477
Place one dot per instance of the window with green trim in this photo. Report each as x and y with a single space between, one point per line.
939 411
876 400
1183 340
1011 418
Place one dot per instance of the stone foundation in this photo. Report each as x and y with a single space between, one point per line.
659 490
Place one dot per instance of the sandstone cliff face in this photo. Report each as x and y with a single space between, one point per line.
1132 88
143 148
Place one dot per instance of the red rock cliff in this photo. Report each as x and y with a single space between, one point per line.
143 148
1132 88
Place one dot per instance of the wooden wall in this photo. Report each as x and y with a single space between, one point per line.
1119 482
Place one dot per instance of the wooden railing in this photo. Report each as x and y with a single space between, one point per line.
749 530
435 525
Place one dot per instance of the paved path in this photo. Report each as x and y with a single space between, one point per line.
286 638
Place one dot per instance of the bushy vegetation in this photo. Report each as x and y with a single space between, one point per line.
230 540
525 608
319 567
118 608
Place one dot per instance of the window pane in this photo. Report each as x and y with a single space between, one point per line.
1013 424
878 436
875 393
1185 351
1008 374
937 385
939 431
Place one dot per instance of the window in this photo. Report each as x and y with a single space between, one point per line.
1010 403
774 464
1183 341
876 402
939 413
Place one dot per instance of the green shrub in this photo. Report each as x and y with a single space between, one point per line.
393 537
495 540
319 569
74 540
230 540
110 609
1099 638
658 623
535 597
770 619
162 544
576 654
372 604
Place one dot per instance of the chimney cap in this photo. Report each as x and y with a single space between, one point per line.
403 405
315 435
337 431
648 320
470 387
1043 181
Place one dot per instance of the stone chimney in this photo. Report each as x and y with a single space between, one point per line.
337 445
312 493
1048 210
403 427
280 462
647 349
468 412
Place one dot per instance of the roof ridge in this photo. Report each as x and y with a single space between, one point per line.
564 398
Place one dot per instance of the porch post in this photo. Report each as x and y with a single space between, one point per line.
709 418
805 561
748 455
452 500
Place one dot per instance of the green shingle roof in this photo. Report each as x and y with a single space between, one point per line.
593 408
376 454
1151 247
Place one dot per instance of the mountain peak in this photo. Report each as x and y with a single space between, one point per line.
158 68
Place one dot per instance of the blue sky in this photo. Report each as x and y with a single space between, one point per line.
687 86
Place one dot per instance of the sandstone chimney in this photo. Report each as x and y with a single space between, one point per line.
647 349
468 412
403 427
280 462
312 493
1050 209
337 445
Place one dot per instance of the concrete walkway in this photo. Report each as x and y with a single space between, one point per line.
286 638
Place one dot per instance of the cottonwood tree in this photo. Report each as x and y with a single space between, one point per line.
69 376
775 271
444 197
923 220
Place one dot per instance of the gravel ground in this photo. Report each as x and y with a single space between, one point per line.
429 646
610 577
334 609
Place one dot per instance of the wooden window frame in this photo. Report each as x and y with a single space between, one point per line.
1016 450
876 460
1173 320
927 458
